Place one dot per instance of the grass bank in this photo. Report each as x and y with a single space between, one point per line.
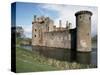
28 61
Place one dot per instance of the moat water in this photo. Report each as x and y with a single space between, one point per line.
66 55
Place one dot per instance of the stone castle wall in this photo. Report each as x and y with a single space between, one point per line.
44 33
58 39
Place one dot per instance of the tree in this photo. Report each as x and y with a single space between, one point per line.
19 32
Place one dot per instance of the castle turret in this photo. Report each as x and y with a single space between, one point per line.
60 24
69 25
83 24
40 25
66 24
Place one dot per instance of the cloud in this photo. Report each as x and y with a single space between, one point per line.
64 13
28 30
67 12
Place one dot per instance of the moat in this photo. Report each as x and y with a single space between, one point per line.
65 55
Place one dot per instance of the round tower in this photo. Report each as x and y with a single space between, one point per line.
83 33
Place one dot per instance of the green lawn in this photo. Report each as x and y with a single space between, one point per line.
27 61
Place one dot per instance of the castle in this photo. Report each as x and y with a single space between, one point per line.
46 34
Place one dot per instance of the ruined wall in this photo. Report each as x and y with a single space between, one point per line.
59 39
45 34
50 25
39 26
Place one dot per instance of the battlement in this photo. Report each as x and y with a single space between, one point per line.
40 19
83 12
48 24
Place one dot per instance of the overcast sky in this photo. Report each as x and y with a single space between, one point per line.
26 11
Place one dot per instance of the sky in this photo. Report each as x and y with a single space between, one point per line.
26 11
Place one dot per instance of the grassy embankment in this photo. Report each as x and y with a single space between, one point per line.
27 61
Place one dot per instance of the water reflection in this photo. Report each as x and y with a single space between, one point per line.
84 57
66 54
94 56
56 53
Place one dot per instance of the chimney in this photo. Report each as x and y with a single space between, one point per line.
67 24
60 24
34 17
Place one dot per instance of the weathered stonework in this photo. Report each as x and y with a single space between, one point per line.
58 39
44 33
83 24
